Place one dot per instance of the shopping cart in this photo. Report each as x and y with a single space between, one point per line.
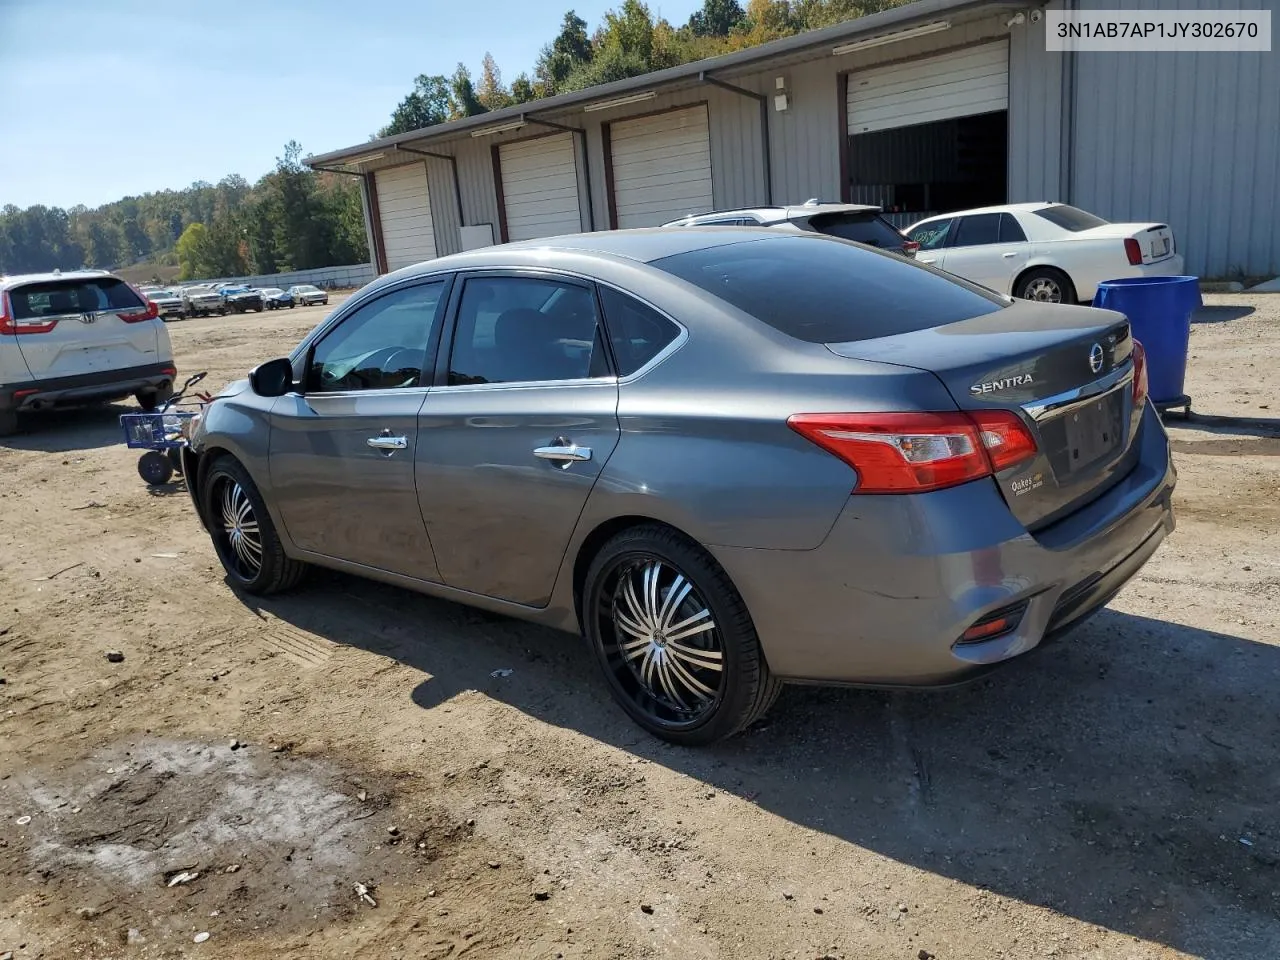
162 433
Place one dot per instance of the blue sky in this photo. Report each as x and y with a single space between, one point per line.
104 98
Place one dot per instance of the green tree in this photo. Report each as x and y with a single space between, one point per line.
425 106
463 99
523 89
492 94
717 18
193 252
569 51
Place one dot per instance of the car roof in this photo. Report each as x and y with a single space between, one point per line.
21 279
1001 208
642 245
780 214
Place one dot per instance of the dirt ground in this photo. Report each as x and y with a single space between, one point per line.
1110 796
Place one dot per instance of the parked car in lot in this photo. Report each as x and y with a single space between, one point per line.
308 295
797 458
1044 251
168 302
241 299
202 301
68 338
849 221
273 298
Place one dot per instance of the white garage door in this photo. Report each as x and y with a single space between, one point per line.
405 209
661 167
957 84
540 187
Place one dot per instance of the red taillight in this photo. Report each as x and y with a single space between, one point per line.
14 327
1139 374
1005 438
149 312
918 452
910 248
1133 251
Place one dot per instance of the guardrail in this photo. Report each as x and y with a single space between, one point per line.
354 275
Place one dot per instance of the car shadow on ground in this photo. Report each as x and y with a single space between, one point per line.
70 429
1124 775
1220 313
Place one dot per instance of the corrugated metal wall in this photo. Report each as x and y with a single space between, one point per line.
1191 139
737 162
806 136
1035 115
444 206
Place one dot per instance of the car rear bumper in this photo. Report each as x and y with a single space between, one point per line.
313 301
170 310
1171 266
885 599
86 387
211 306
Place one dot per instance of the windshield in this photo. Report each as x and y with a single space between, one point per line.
825 291
1070 218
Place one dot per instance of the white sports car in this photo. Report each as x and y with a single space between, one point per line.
1044 251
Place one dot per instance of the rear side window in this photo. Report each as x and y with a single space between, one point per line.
638 333
1070 218
871 229
979 229
823 292
60 297
1010 232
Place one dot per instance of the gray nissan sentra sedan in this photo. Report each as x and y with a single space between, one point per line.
731 458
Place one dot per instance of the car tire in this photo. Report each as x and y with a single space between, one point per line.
8 423
243 535
663 686
151 400
1046 285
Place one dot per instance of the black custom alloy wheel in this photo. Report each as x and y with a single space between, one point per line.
674 638
243 535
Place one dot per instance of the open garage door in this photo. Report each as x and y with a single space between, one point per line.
930 135
540 187
661 167
404 209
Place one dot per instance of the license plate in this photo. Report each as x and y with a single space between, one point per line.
1093 432
1159 248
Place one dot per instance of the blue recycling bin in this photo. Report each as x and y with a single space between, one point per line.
1159 310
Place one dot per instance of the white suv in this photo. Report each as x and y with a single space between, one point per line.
75 337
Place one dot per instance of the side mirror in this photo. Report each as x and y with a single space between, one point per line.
273 378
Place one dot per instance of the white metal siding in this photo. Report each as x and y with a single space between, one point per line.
540 187
958 84
404 204
661 167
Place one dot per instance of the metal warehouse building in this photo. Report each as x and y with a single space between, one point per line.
934 106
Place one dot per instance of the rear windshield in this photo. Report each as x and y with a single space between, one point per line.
308 289
822 291
868 228
60 297
1070 218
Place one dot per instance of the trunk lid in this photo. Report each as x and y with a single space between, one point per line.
1155 240
85 333
1066 371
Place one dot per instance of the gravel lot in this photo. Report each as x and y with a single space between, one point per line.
1111 796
